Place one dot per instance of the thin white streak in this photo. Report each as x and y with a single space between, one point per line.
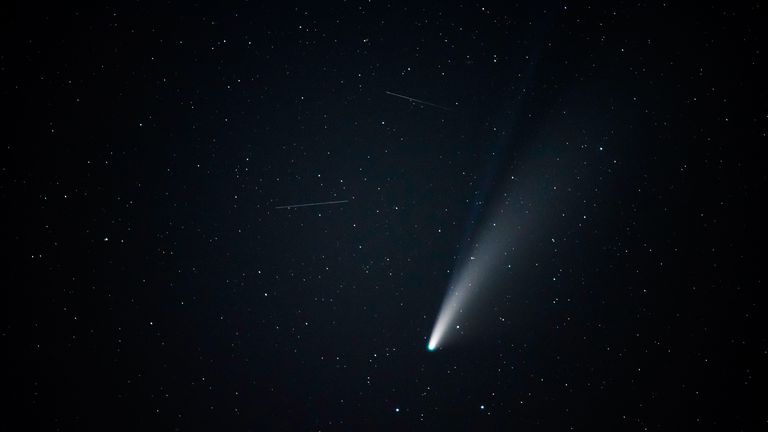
311 204
419 101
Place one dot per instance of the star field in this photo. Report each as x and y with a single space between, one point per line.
160 274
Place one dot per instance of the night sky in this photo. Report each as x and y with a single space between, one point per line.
602 162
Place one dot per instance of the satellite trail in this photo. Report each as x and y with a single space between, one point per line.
311 204
418 101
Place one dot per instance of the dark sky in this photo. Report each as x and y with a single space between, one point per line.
151 284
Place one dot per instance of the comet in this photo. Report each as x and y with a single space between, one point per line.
485 260
518 217
473 275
